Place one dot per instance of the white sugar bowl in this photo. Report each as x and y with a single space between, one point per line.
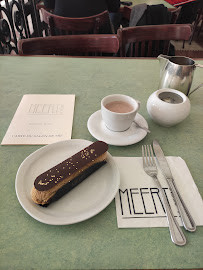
168 107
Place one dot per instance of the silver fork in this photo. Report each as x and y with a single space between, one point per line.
150 168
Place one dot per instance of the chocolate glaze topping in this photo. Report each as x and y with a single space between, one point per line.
73 164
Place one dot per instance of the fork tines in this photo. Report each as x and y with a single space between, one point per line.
148 156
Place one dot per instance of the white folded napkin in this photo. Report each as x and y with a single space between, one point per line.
138 203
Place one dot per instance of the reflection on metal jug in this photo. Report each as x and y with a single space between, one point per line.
177 72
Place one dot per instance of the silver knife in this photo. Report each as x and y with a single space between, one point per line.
185 215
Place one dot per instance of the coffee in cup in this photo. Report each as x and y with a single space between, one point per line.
119 107
118 111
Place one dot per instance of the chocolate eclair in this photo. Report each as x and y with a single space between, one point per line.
59 180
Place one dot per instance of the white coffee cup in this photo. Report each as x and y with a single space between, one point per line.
118 111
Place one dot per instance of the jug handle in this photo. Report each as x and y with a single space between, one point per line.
199 86
198 65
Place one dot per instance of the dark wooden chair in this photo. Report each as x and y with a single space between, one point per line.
151 40
198 22
175 13
125 11
58 25
75 45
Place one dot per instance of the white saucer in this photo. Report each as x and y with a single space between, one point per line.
99 131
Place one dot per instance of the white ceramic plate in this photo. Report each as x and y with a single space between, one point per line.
99 131
83 202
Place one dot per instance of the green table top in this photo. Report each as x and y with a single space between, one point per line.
96 243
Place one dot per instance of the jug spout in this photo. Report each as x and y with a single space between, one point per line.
163 59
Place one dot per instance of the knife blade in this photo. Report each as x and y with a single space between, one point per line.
185 215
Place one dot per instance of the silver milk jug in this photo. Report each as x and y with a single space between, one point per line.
176 72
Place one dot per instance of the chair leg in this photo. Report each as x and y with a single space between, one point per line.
197 21
193 32
200 28
183 44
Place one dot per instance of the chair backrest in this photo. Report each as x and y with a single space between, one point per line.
126 11
87 25
76 45
150 40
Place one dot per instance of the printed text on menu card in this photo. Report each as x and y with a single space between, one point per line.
41 119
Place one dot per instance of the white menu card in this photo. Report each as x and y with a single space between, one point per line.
138 201
41 119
